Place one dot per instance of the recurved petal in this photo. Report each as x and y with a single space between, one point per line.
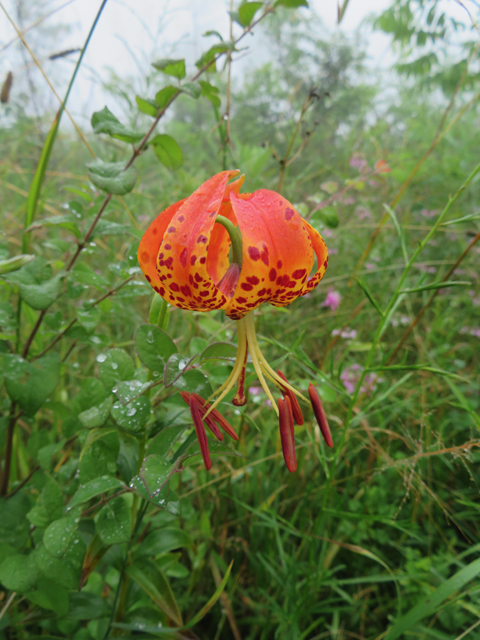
321 252
277 252
150 244
182 259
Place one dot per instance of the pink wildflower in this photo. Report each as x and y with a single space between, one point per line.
333 299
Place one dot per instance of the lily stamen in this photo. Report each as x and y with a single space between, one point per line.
287 436
320 416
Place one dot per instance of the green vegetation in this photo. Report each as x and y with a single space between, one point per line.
102 482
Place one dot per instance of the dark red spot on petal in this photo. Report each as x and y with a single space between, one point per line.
246 287
171 229
154 231
254 253
185 289
181 218
241 300
253 280
264 255
145 257
174 287
183 257
272 275
279 264
148 278
193 259
198 277
298 274
203 260
201 239
167 247
289 213
169 262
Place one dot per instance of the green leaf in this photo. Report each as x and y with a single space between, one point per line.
162 443
153 346
329 216
13 264
211 92
49 596
247 11
175 368
205 609
37 286
111 177
209 57
96 416
164 540
194 381
14 526
89 318
83 274
19 573
291 4
113 522
64 571
99 454
30 383
219 351
151 579
105 122
175 68
166 95
49 505
128 390
147 106
87 606
59 534
91 394
154 474
95 552
133 416
160 499
192 89
113 366
167 151
95 487
430 605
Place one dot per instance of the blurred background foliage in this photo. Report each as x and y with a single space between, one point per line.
356 539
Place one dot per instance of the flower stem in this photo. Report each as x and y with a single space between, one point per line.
235 237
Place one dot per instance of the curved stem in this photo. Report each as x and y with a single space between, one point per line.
235 237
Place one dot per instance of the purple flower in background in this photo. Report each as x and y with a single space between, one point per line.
333 299
332 251
426 213
363 213
255 391
476 301
347 333
351 375
357 162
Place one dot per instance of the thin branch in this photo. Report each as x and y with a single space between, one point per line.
23 482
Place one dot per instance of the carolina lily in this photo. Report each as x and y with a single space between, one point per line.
184 255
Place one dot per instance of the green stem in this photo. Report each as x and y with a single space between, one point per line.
235 237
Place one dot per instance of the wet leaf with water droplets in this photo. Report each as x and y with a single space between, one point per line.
134 415
94 488
115 365
153 346
113 522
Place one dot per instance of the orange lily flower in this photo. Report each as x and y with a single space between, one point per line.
184 255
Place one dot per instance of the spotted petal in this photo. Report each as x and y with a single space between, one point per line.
277 252
321 252
182 259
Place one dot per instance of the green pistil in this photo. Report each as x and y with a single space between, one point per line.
235 237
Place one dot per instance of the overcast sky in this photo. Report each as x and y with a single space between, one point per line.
131 32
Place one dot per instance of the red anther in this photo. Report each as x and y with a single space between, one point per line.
185 396
210 422
297 412
200 430
216 415
240 399
228 283
286 433
320 416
